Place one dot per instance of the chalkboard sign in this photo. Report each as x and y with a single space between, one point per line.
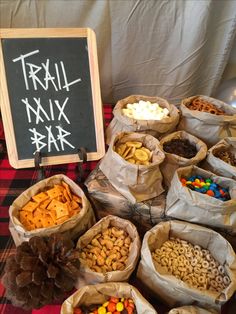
50 95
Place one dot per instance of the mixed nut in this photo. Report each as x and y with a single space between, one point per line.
108 251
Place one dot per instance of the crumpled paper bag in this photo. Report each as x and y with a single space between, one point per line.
88 276
136 182
191 309
74 226
174 291
122 123
185 204
217 165
173 161
107 200
100 293
210 128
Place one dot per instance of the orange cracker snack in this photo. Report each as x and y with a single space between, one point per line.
50 207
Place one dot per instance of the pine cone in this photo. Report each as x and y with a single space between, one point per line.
41 271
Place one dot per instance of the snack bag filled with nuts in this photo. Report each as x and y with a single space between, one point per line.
109 251
191 309
221 158
181 149
207 118
111 297
186 263
107 200
200 196
131 164
56 204
137 113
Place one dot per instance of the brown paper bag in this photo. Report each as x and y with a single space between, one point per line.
88 276
100 293
210 128
217 165
136 182
74 226
174 291
122 123
190 309
107 200
192 206
173 162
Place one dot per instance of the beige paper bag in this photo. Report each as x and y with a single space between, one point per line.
74 226
121 123
210 128
107 200
190 309
173 162
217 165
136 182
186 204
88 276
174 291
100 293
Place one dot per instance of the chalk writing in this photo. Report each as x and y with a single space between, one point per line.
46 75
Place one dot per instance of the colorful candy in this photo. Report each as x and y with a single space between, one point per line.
206 186
112 306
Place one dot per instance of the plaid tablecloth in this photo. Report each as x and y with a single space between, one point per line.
12 183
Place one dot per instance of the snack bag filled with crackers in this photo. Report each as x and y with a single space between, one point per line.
138 113
56 204
185 263
207 118
110 297
109 251
131 164
221 158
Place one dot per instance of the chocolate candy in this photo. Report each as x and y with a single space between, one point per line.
181 147
113 305
206 186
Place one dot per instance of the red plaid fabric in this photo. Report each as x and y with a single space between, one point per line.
12 183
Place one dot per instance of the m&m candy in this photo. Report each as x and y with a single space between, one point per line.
206 186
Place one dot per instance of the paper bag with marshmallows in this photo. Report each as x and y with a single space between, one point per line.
122 123
137 182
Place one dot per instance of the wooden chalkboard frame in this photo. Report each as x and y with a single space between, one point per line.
95 87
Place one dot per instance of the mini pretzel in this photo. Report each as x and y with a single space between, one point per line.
200 104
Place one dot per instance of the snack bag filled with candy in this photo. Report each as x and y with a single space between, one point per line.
112 297
200 196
